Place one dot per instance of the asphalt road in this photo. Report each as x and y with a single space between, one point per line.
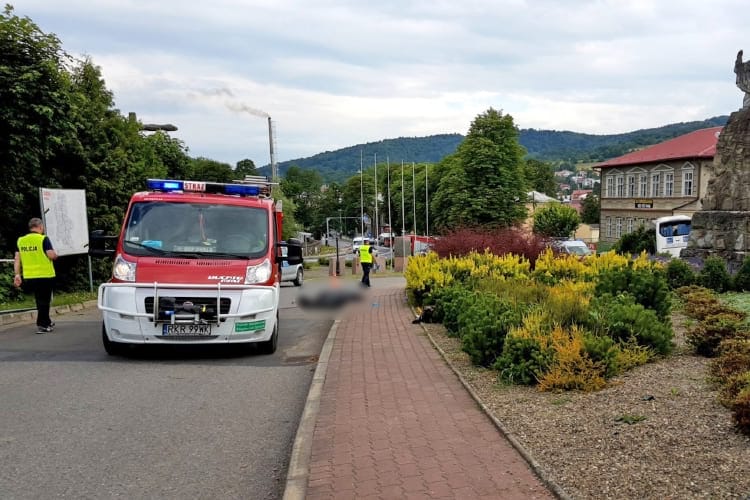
177 423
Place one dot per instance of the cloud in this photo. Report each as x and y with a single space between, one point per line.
336 73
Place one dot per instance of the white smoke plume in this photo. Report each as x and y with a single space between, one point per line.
230 104
243 108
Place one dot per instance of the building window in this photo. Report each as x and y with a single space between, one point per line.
669 184
618 227
629 227
608 223
643 179
620 186
631 186
610 186
687 183
655 185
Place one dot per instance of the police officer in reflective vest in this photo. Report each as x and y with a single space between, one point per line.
365 258
33 261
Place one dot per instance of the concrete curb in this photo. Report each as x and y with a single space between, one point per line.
26 316
538 470
299 463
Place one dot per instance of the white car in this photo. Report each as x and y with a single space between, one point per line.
356 243
294 273
574 247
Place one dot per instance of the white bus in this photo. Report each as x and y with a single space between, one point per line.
672 234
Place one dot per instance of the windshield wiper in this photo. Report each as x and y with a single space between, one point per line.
221 255
151 249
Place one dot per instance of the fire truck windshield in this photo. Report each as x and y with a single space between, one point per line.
201 230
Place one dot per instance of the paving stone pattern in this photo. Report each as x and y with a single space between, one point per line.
396 422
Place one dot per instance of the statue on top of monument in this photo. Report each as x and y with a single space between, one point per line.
742 70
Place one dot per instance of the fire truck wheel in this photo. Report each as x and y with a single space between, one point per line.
269 346
298 280
112 348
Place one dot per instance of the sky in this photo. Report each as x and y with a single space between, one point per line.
333 73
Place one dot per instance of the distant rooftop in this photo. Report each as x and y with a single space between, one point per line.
697 144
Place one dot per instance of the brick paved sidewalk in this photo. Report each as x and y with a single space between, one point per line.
395 422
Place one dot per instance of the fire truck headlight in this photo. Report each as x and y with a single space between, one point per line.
258 274
123 270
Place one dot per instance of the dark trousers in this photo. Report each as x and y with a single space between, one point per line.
42 289
366 273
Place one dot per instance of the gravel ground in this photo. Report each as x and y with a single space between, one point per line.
681 444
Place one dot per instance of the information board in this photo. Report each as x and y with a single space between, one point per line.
65 220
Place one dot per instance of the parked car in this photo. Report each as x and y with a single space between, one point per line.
573 247
356 243
292 272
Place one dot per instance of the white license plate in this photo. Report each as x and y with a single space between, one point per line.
187 330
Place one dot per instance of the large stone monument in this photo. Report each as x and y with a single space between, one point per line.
722 226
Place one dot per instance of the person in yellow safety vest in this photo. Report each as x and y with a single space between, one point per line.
34 256
365 258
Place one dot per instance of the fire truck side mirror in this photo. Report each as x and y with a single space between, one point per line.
101 245
291 251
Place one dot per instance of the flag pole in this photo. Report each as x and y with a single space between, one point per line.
414 199
390 226
426 205
361 195
374 227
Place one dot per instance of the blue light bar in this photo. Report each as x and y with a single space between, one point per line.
161 185
241 190
206 187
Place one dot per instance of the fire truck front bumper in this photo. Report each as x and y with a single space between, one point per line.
151 313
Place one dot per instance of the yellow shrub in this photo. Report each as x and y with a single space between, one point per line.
559 267
515 290
568 301
423 274
608 260
572 368
535 325
631 354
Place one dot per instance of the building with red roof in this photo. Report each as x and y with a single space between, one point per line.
668 178
577 197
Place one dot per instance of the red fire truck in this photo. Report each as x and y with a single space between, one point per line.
195 263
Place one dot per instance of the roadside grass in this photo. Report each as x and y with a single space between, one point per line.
736 300
58 299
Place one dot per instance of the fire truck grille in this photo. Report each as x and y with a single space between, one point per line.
204 306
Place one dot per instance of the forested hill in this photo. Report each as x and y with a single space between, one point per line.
551 145
343 163
547 145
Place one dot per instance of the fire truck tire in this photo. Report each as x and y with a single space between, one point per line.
111 348
269 346
298 280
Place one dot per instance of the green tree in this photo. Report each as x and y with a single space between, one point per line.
556 220
303 186
245 167
590 209
330 206
171 153
34 118
540 176
357 194
289 226
453 191
484 185
205 169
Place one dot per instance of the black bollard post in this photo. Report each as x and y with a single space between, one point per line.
338 268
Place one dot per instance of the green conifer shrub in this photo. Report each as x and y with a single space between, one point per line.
484 324
714 274
679 274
